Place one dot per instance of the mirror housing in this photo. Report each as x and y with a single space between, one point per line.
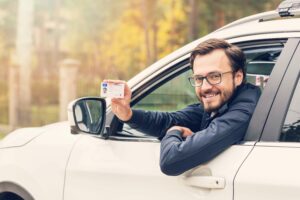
87 115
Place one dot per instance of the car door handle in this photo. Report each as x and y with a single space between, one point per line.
208 182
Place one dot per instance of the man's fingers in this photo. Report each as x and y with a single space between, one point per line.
186 132
117 102
121 106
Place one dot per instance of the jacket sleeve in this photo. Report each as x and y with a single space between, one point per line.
179 155
157 123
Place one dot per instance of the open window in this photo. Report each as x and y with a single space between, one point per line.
176 93
260 60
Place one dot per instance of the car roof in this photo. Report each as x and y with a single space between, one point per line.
266 25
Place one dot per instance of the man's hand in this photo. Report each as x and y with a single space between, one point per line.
184 131
121 107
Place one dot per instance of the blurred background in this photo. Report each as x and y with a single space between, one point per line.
53 51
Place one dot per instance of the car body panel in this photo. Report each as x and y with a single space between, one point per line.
257 28
270 172
20 137
131 170
44 180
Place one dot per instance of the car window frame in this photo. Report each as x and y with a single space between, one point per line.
182 65
261 113
283 97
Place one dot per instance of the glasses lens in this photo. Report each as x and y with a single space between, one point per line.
196 81
214 78
191 80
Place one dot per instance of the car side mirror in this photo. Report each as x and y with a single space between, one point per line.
87 115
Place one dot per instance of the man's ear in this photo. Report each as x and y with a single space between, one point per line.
238 77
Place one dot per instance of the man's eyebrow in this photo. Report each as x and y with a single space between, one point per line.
198 75
207 73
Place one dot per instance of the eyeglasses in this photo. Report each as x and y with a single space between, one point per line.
212 78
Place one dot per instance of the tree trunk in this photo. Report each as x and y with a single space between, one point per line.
145 12
154 42
24 56
13 97
220 19
193 18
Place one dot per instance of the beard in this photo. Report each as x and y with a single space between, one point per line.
213 99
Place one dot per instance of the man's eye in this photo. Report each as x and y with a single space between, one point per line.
198 79
214 76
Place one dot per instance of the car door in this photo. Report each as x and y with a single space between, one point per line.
272 169
126 164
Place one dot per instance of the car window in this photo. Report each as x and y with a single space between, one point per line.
177 93
291 128
260 63
174 95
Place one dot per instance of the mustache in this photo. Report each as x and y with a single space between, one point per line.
209 91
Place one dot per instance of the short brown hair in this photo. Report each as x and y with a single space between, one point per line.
235 54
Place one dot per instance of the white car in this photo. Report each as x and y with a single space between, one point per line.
95 156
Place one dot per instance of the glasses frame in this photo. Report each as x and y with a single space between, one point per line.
192 81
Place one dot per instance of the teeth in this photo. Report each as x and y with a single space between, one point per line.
210 95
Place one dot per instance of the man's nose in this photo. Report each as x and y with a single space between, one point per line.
205 85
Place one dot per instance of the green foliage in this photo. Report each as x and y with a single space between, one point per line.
7 28
2 135
111 39
42 115
44 91
3 102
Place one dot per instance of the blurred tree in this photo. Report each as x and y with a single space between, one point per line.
7 28
172 25
146 31
127 52
193 26
48 28
24 52
86 23
7 47
149 24
214 14
111 39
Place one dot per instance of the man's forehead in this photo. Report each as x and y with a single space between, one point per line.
214 61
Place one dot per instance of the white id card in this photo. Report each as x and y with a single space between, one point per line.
112 90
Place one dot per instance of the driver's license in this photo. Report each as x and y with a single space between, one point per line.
112 90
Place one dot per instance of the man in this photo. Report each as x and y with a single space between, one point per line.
199 132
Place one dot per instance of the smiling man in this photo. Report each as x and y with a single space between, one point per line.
200 132
221 79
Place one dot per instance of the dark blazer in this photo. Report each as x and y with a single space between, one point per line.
211 136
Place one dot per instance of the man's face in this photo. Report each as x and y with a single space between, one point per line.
213 97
